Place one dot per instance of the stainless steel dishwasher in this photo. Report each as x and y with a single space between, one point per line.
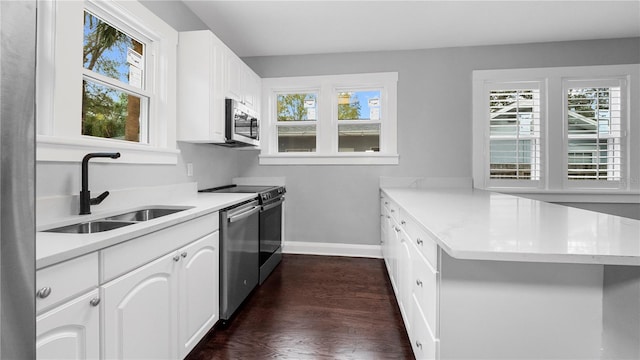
239 255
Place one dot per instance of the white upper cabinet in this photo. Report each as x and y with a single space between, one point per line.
209 72
201 69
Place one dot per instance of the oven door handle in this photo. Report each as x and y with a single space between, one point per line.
271 206
244 214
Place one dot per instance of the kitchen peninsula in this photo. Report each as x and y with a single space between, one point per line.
485 275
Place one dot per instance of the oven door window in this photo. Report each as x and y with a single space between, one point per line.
270 232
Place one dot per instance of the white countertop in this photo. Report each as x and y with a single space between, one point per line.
52 248
482 225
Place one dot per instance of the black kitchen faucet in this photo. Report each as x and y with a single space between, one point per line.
85 195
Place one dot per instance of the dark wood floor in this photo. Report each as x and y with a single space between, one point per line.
315 307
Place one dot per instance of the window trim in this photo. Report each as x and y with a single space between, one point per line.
327 122
554 140
58 117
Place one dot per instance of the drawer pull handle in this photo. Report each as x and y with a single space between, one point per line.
419 241
388 217
44 292
95 301
397 229
386 203
176 258
393 210
403 222
419 282
184 254
418 344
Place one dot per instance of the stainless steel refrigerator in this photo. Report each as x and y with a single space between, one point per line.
17 179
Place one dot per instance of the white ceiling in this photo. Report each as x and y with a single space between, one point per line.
260 28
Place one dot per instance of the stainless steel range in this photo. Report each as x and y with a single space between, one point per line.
250 243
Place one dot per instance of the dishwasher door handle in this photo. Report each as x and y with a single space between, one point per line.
244 214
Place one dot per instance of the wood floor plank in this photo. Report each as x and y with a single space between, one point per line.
315 307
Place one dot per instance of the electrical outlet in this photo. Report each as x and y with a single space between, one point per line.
189 169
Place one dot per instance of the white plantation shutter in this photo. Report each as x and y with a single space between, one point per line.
514 134
595 133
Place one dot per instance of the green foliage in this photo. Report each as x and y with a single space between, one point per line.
291 107
102 115
350 110
104 110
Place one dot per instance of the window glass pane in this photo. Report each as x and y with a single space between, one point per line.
514 132
112 53
359 137
297 107
111 113
300 138
594 134
359 105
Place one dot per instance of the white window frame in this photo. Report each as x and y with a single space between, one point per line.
60 73
554 140
327 88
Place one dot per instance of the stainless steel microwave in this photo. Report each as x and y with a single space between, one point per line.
242 126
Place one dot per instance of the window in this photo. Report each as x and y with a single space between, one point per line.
296 122
514 134
342 119
114 103
359 120
106 82
594 131
557 129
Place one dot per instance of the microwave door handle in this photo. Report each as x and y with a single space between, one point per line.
244 214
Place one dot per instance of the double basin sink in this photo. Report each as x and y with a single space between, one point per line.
116 221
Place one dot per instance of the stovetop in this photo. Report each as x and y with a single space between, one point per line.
266 194
239 189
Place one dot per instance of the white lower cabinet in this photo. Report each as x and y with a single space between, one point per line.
141 312
71 330
422 339
198 295
411 258
162 309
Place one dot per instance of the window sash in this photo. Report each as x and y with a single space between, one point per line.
594 133
514 134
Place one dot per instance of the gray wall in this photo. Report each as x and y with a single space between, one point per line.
340 203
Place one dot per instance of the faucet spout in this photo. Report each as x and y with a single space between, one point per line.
85 195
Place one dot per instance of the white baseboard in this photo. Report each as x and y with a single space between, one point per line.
332 249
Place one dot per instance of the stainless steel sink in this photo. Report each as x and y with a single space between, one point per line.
91 227
116 221
145 214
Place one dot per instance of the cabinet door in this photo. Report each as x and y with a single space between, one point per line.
70 331
233 76
405 279
252 88
140 312
198 295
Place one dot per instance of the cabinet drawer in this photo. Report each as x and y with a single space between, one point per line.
425 289
424 344
423 242
65 280
122 258
394 211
